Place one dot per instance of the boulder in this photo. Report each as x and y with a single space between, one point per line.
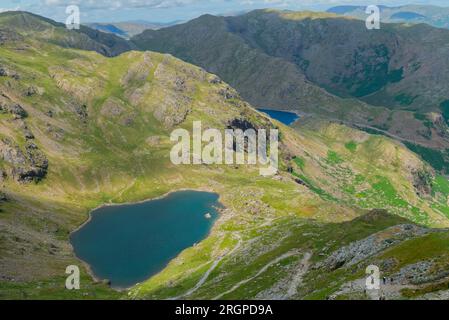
31 91
5 72
27 166
17 110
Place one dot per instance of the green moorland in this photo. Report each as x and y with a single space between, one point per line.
104 125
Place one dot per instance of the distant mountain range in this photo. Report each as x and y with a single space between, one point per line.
393 80
432 15
129 28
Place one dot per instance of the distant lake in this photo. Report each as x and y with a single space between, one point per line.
127 244
282 116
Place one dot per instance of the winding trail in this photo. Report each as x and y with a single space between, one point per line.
264 268
208 272
297 278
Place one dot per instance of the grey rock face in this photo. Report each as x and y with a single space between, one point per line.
362 249
11 153
172 111
418 273
81 111
17 110
228 93
27 166
5 72
422 181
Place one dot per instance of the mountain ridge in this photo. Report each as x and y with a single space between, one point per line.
103 124
85 38
436 16
301 65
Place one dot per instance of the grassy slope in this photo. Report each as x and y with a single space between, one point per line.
301 53
108 159
369 172
340 170
92 165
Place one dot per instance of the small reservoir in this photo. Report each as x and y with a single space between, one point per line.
129 243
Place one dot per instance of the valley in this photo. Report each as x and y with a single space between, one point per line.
84 125
324 65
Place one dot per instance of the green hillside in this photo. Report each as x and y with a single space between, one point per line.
79 129
324 66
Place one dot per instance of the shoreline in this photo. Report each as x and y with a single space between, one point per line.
298 114
89 218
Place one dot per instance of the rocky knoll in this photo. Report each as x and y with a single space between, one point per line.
362 249
25 165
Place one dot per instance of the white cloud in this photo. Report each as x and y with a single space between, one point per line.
108 4
9 9
130 4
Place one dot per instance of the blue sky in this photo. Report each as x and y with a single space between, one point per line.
171 10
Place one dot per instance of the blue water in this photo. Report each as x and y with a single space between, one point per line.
127 244
407 15
282 116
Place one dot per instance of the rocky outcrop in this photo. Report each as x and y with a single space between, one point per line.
422 182
24 166
17 110
112 108
11 153
419 273
80 110
214 79
6 105
6 72
172 111
31 91
362 249
136 96
68 80
139 71
8 35
240 123
228 93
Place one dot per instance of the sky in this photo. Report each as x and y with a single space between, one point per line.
177 10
